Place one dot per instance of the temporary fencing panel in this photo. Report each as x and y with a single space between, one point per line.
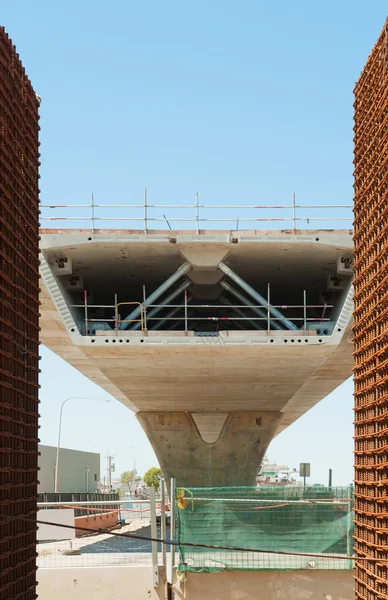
274 520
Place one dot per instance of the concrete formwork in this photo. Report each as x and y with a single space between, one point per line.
19 311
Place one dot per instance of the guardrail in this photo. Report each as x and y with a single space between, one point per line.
265 316
202 214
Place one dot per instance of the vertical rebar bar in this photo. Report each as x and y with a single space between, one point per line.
304 312
86 312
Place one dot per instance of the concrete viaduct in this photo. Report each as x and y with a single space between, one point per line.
218 341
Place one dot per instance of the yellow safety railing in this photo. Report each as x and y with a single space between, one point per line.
141 320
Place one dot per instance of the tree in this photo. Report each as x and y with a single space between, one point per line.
129 478
152 477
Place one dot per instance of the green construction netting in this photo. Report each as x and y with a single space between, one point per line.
313 520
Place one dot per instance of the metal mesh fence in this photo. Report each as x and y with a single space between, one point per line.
370 327
316 521
100 549
63 499
66 547
19 161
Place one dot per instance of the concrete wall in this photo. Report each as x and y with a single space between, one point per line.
63 516
98 583
119 583
72 470
96 521
267 585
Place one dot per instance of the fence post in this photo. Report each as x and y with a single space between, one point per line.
163 528
155 566
172 528
145 211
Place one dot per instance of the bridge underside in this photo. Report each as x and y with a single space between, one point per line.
212 389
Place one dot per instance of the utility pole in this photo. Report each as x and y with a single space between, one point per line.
111 469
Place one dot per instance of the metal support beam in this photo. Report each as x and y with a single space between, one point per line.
168 300
183 269
238 311
252 292
244 300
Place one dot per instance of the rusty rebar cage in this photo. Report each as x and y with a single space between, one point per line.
19 312
371 323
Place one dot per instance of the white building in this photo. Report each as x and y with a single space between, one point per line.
78 471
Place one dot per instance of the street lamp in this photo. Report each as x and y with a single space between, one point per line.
59 434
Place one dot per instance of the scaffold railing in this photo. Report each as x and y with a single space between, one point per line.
262 323
152 216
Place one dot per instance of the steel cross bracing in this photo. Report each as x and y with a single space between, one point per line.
265 314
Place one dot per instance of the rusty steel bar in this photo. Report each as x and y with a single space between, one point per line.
370 323
19 313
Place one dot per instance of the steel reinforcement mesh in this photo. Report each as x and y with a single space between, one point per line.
371 323
19 312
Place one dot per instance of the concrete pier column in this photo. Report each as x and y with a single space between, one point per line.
232 457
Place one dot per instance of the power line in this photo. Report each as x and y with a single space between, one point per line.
196 545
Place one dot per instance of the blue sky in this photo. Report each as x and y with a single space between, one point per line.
243 102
